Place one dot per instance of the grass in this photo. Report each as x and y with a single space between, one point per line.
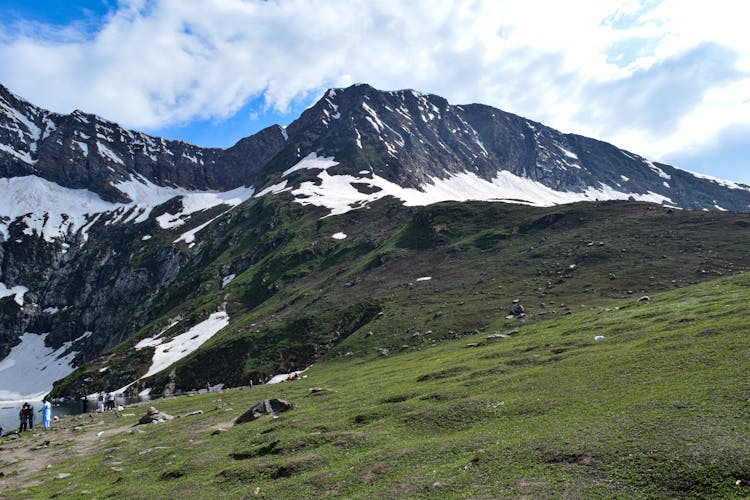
657 409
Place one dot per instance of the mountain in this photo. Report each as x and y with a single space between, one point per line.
149 263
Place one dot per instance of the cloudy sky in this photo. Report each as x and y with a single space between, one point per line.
668 79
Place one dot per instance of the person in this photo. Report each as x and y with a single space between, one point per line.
23 417
84 404
154 416
110 402
1 431
30 415
46 412
100 400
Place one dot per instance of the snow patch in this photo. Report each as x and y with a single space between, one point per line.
337 194
424 278
105 151
722 182
661 173
168 353
311 161
567 153
282 377
274 189
338 236
17 291
31 368
227 279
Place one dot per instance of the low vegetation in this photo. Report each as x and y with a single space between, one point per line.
633 399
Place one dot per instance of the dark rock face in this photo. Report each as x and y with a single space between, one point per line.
404 136
410 138
84 151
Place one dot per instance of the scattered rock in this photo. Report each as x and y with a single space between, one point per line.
61 475
438 314
472 344
218 431
645 298
517 309
265 407
318 389
149 450
498 336
383 351
599 337
136 431
196 412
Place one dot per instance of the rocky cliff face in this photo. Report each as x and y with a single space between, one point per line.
84 151
412 139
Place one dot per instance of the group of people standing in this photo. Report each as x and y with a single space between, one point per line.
26 416
106 401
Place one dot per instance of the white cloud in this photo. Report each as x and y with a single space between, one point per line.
600 67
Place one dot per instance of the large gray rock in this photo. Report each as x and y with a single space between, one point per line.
265 407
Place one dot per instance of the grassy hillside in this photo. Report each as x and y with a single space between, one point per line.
657 408
300 295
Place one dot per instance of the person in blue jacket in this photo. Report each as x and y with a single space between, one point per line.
46 412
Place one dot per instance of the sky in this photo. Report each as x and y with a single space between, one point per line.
669 80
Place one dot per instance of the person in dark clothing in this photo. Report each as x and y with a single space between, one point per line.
23 417
84 404
31 416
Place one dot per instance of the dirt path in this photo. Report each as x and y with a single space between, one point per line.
27 455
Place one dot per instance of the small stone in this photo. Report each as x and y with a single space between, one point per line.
645 298
498 336
61 475
599 337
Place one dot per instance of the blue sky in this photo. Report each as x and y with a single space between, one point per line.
669 80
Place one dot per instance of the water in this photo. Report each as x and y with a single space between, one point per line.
9 410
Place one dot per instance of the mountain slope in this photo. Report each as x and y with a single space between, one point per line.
110 238
297 288
657 408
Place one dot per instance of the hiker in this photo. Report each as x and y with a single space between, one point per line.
84 404
30 416
46 412
23 417
100 401
110 402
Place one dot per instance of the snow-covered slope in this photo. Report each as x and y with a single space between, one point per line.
341 193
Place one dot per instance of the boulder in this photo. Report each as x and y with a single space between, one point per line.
517 309
265 407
